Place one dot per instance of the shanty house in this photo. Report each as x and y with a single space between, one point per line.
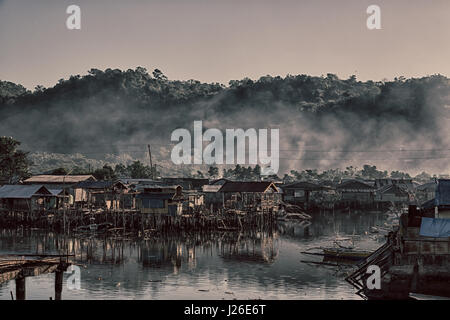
212 197
61 198
355 191
25 197
392 193
426 230
261 195
406 184
426 191
441 203
161 200
193 199
300 192
109 194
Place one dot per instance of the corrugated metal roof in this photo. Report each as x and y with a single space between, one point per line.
430 186
94 184
303 185
155 188
355 184
212 188
45 178
250 186
138 181
22 191
393 189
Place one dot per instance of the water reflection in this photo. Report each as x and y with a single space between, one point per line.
255 265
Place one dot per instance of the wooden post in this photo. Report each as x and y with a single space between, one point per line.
58 284
20 288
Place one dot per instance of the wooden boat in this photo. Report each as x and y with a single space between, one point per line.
417 296
346 254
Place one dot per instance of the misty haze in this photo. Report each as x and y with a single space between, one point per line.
235 151
325 122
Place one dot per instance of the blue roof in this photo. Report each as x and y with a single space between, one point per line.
443 193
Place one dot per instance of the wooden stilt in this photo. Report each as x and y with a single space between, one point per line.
20 288
58 284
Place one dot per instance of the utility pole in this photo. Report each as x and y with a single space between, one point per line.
151 163
65 205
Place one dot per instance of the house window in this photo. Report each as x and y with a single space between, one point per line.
156 203
153 203
299 193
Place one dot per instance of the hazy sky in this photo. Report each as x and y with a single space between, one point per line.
220 40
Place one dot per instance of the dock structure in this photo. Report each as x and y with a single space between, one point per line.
19 267
409 262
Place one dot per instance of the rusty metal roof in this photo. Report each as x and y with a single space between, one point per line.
304 185
47 178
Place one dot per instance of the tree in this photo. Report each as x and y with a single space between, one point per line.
80 171
138 171
273 177
257 172
213 172
105 173
371 172
158 75
199 175
423 177
59 171
400 175
121 171
287 178
14 164
39 88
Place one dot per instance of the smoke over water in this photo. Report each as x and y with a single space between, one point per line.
324 122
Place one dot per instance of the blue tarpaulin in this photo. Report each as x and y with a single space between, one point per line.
437 228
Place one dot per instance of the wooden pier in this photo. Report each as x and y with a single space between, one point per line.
409 263
132 222
19 267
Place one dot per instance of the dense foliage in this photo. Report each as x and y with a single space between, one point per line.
14 163
107 112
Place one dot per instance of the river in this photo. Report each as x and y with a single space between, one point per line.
262 265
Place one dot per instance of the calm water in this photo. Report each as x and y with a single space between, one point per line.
219 266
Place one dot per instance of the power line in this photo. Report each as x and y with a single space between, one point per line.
171 144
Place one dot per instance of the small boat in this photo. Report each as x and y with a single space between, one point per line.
381 230
340 252
294 217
